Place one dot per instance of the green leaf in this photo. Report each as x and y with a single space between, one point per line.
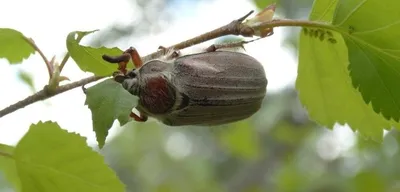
241 140
8 166
370 29
90 59
27 79
108 101
15 47
49 158
325 87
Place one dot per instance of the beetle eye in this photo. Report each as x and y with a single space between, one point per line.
132 74
119 78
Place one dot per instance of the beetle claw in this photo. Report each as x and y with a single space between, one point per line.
84 89
174 54
162 48
211 48
141 118
169 53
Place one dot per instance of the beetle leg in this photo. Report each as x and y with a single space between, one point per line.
136 59
139 118
173 55
215 47
169 53
162 48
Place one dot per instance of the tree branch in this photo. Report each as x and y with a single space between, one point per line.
236 27
45 93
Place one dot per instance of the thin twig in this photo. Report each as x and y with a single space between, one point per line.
46 61
44 94
64 61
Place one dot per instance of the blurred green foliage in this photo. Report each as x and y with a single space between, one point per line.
26 77
283 152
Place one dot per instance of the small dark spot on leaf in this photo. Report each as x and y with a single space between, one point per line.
332 40
351 29
329 33
311 32
316 33
322 37
305 30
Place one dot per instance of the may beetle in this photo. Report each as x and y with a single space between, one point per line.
209 88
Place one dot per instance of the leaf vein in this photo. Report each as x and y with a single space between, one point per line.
377 29
377 49
327 10
352 12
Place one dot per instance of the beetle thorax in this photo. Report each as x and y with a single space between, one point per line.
151 83
156 94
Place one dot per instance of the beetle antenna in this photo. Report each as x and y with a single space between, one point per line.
116 59
124 58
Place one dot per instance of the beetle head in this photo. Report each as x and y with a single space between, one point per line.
128 81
